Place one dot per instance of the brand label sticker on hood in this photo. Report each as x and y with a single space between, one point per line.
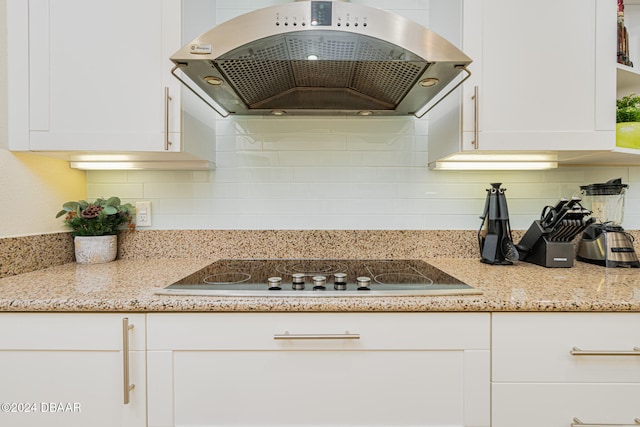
201 49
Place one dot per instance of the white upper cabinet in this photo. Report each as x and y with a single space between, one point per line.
94 76
544 76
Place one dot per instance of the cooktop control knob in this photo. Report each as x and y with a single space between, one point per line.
319 283
364 283
298 281
340 281
274 283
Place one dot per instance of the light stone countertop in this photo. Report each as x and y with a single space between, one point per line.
129 285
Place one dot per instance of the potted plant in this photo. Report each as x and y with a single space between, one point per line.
628 121
95 226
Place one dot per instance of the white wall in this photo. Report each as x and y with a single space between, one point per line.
339 173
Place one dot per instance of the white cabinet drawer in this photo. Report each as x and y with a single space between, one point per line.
70 331
556 405
332 369
537 347
347 331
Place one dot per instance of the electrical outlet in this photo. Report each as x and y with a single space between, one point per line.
143 214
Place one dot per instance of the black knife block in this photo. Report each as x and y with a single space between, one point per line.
534 247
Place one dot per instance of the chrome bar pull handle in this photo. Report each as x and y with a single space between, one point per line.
575 351
126 327
576 423
167 100
287 336
476 118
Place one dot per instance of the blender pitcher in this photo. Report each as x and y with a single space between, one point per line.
605 242
606 201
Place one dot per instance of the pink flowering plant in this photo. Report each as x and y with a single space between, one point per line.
100 218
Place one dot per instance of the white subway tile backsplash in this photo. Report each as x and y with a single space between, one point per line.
339 172
238 142
391 158
122 190
293 125
99 176
373 126
184 206
331 174
319 158
381 142
304 142
163 221
272 175
179 190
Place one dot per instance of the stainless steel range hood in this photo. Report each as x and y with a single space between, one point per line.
320 57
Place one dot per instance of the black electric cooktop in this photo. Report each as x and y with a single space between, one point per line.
319 278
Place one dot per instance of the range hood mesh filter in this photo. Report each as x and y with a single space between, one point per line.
258 73
322 73
387 81
324 47
264 73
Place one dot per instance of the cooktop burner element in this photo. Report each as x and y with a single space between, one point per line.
319 278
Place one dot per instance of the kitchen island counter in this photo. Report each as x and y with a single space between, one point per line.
130 285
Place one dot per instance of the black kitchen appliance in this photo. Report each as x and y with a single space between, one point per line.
494 236
319 278
605 242
549 240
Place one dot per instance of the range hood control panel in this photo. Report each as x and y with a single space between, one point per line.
321 13
322 16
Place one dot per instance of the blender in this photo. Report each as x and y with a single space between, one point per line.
605 242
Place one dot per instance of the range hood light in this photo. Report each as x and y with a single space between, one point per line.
365 113
429 82
277 113
312 57
213 81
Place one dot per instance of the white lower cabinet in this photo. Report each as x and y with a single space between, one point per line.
564 369
561 405
70 370
329 369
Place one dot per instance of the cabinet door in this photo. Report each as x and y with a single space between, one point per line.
245 369
69 370
544 72
98 72
543 75
557 405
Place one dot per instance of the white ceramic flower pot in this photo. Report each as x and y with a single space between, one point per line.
95 249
